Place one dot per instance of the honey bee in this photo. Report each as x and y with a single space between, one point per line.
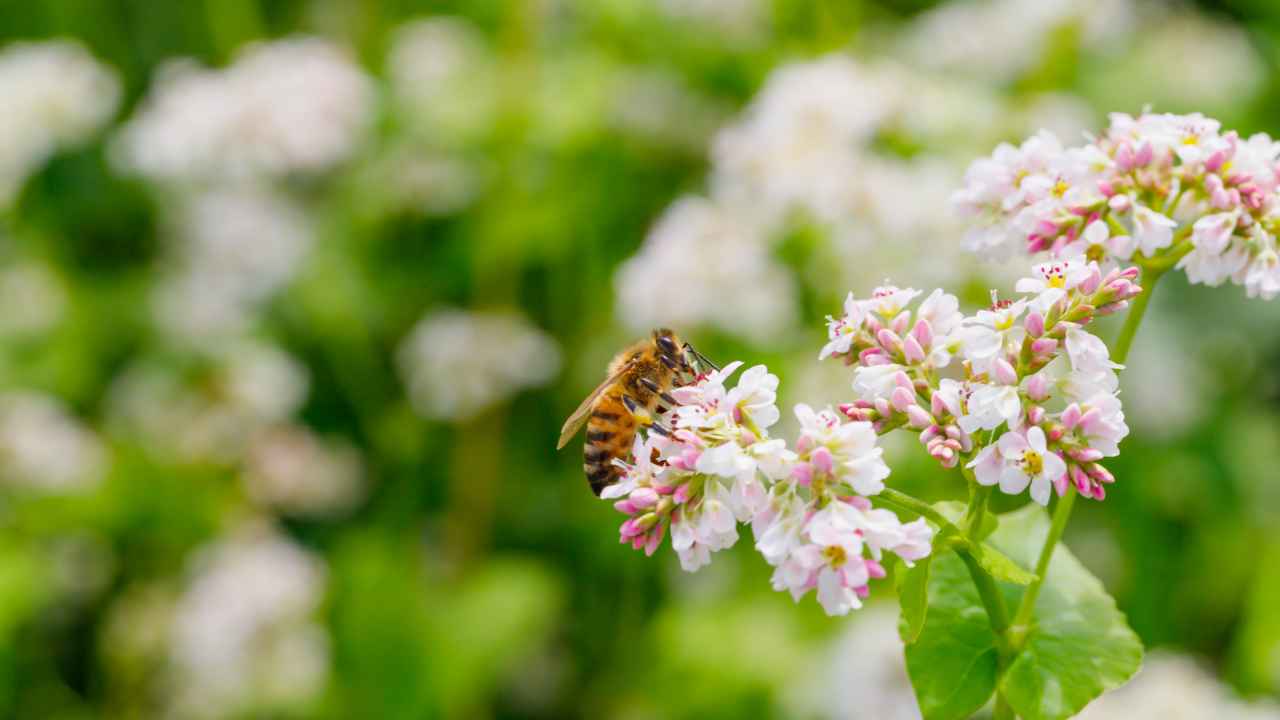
635 392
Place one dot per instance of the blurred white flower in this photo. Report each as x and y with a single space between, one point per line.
659 107
1169 389
298 105
43 447
1174 687
54 95
704 265
251 386
443 76
456 364
290 469
245 633
1000 39
235 248
865 677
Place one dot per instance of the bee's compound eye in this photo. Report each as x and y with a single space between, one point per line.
667 344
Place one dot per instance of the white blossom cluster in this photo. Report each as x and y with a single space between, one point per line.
1034 402
1156 188
299 105
54 95
715 466
245 633
46 448
457 364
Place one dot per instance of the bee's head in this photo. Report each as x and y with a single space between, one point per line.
666 339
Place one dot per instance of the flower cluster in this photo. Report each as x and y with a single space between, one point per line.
1033 401
714 466
1157 189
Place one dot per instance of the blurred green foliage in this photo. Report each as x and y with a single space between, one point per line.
479 578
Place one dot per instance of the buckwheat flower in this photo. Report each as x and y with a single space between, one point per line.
848 451
1151 230
841 330
989 406
1087 352
293 471
991 332
1018 460
443 75
1262 276
1050 281
1098 244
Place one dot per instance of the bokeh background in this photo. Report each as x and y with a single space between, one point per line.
295 295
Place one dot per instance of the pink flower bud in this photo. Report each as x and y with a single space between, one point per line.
1035 415
889 340
1124 157
1004 372
902 398
1044 346
900 322
917 416
862 590
911 350
1215 161
1099 492
643 498
937 406
875 569
1084 455
1120 203
1038 387
1144 155
1034 324
874 356
626 507
1037 243
1090 284
655 540
1106 188
923 333
1071 416
902 380
1055 433
1079 479
802 473
822 459
929 433
882 407
1099 473
681 495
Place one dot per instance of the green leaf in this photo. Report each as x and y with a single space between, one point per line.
1078 648
1000 566
953 661
913 597
1080 645
954 511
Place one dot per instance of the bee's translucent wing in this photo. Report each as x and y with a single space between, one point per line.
579 416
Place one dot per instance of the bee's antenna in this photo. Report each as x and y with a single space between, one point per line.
702 359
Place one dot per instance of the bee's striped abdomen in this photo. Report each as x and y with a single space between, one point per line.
610 432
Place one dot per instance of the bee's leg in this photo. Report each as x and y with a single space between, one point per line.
652 386
660 429
637 411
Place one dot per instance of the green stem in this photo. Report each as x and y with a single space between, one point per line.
1137 311
912 504
991 598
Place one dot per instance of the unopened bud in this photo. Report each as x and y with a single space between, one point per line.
1044 346
1038 387
902 399
923 333
1004 372
917 416
911 350
888 340
822 459
1034 324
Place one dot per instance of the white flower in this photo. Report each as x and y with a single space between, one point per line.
1151 230
1097 243
871 382
1017 460
856 458
990 405
755 396
991 332
708 527
1212 233
1050 281
45 447
841 330
1262 277
1087 351
889 300
1102 423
